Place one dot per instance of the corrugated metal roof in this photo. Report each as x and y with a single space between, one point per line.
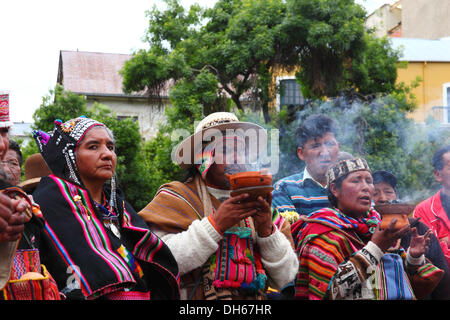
423 49
94 73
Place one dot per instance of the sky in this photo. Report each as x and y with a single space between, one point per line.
34 32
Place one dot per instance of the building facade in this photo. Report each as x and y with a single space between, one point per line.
386 20
425 19
429 60
21 131
96 76
420 29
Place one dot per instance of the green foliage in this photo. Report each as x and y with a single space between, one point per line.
58 104
326 35
157 157
377 129
219 50
226 52
173 25
218 56
375 69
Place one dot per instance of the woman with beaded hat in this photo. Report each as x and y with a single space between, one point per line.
345 254
94 243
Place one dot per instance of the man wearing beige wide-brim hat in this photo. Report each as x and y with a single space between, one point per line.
212 127
226 247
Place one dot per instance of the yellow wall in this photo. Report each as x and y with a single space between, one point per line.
429 92
277 72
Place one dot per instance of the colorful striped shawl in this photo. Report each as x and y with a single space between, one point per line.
326 219
77 245
326 240
321 248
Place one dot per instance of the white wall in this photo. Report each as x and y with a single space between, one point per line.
148 113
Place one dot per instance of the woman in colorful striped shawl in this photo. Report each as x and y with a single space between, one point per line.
343 252
94 243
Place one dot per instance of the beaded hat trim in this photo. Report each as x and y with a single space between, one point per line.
58 147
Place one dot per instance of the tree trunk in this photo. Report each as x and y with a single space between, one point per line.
237 102
265 108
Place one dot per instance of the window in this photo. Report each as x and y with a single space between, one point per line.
446 102
290 93
447 118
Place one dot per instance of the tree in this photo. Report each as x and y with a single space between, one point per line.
325 37
227 52
375 128
234 47
58 104
221 58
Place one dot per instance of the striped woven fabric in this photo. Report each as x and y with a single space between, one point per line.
391 282
237 263
78 247
318 263
95 236
321 248
333 263
18 288
44 288
425 280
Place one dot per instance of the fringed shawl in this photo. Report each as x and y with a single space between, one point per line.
327 219
176 205
329 245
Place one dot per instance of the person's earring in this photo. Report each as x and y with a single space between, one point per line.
112 201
